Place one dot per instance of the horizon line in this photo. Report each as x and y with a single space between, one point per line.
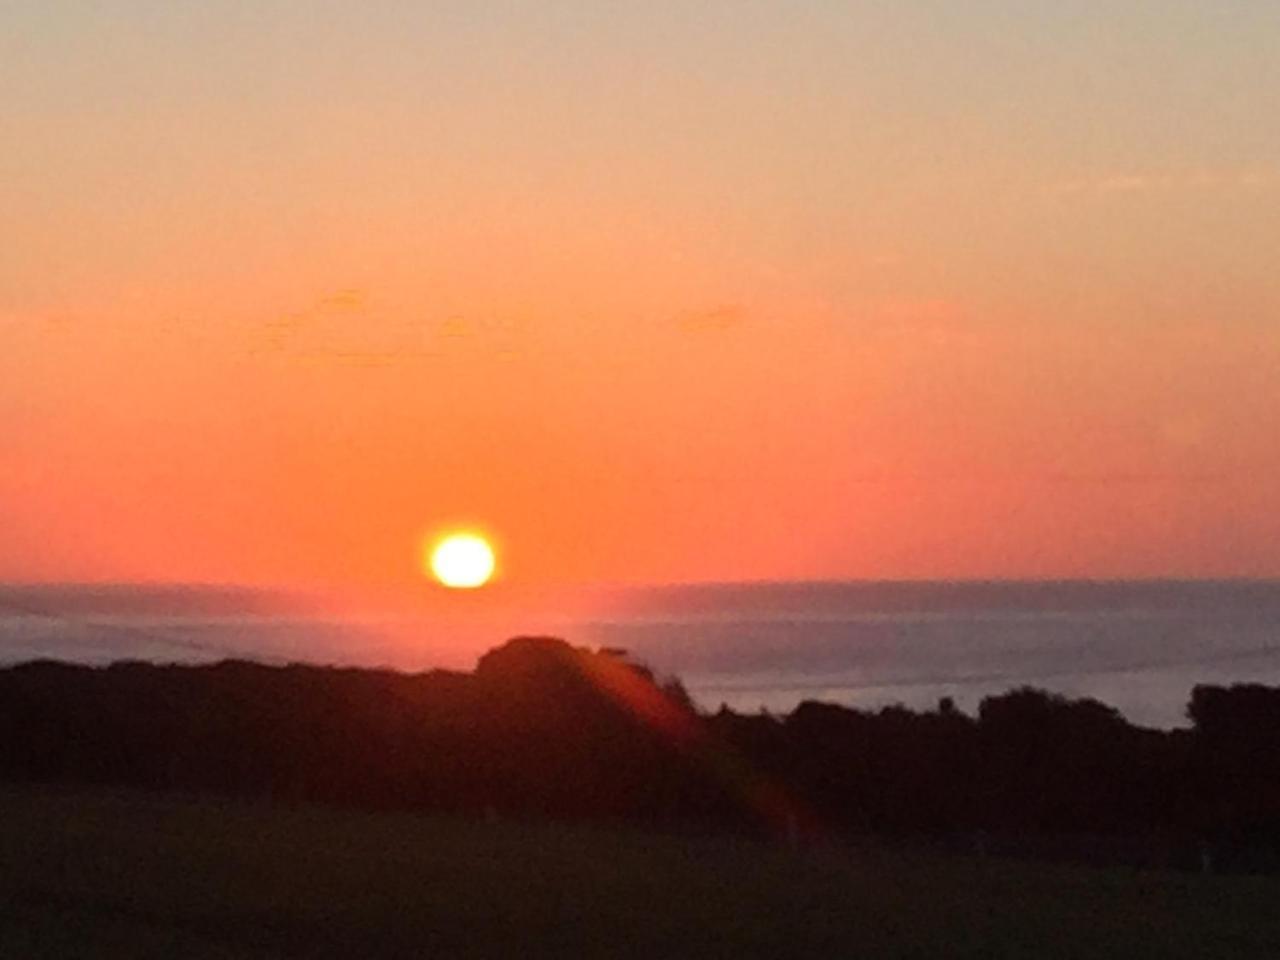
304 589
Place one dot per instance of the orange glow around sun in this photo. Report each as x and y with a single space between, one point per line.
462 561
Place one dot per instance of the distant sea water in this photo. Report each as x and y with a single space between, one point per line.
1139 646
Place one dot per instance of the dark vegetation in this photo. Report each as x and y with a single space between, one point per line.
121 874
542 730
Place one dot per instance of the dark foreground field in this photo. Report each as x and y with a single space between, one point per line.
98 875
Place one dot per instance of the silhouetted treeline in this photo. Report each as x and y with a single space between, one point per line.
544 729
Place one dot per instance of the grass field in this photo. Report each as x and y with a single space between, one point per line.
102 875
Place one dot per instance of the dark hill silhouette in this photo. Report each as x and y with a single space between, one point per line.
544 729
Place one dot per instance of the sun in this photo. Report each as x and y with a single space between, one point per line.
463 561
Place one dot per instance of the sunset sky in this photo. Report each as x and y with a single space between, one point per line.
648 292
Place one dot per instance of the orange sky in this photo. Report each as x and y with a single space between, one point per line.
649 295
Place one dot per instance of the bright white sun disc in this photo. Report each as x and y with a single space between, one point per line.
463 561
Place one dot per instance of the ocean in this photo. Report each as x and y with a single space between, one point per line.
1139 646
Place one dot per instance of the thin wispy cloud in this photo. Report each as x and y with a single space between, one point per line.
350 328
349 299
714 320
1138 182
